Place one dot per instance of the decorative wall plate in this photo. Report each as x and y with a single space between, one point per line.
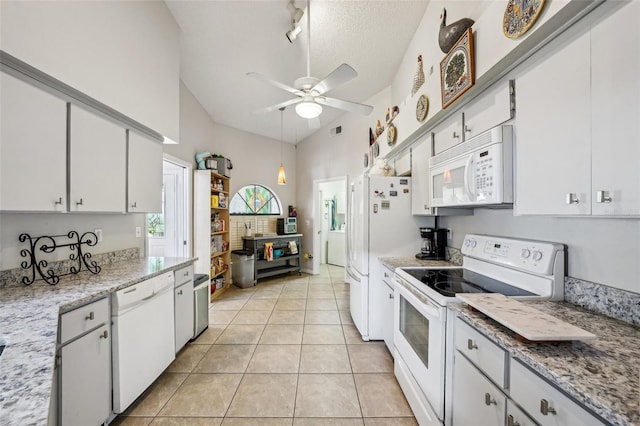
519 16
422 108
376 150
392 134
366 159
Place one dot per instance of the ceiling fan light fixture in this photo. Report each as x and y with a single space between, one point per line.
292 34
308 109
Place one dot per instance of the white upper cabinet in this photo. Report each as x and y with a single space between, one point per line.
553 149
615 89
33 148
448 133
420 153
488 110
97 164
578 140
144 171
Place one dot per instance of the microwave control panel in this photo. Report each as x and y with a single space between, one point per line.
484 174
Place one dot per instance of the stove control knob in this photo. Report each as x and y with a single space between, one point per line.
526 253
472 243
537 255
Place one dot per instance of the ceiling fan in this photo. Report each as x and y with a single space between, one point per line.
310 91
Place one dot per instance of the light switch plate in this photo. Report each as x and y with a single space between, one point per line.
138 232
98 233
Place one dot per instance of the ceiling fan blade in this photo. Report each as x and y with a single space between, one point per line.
275 83
314 123
278 106
338 77
345 105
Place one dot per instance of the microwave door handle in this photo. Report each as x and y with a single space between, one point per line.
467 181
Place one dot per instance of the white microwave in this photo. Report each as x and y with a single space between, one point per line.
476 172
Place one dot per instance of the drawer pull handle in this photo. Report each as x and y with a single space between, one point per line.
545 409
488 400
59 202
186 274
471 345
79 203
179 292
90 317
390 295
134 205
104 335
386 275
511 421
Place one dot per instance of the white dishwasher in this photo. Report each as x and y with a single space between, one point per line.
143 343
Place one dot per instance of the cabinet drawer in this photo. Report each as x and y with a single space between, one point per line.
183 275
485 354
537 397
76 322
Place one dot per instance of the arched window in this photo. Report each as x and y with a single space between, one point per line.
252 200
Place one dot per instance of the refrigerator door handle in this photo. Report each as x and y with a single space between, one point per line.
352 275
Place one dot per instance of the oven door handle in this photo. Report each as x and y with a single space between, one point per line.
467 180
426 307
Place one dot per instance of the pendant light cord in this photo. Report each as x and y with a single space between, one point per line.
308 38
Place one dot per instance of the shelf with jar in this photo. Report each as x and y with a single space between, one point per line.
211 233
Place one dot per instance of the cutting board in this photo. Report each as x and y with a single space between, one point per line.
529 324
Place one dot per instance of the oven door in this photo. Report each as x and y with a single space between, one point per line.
419 339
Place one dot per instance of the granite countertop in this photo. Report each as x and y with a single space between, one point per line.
602 374
29 322
408 261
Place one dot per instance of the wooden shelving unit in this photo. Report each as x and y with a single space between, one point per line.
211 228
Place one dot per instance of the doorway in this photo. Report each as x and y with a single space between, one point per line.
329 241
168 232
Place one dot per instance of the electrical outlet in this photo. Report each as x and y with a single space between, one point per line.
138 232
98 233
449 235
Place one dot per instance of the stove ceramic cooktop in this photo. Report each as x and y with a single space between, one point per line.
450 281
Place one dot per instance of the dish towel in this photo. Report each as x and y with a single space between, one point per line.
293 247
268 251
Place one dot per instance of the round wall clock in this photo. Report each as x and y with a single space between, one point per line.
422 108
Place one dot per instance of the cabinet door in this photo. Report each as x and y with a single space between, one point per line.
517 417
33 148
85 375
144 174
489 110
420 153
553 148
183 304
97 168
448 133
615 85
476 401
387 325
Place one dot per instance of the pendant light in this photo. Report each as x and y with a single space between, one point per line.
282 178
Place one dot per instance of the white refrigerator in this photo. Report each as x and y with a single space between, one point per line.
379 224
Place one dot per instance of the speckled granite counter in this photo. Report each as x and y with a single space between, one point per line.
404 262
602 374
29 321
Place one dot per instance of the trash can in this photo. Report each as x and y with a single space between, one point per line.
242 268
201 303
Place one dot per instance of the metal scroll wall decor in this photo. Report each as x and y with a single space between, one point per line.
48 244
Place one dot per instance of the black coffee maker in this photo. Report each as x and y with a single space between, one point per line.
434 244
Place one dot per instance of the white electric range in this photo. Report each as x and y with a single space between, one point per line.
523 269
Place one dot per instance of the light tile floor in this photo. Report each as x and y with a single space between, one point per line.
284 352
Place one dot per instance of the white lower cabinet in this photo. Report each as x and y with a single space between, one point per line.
85 366
546 404
476 401
492 388
183 307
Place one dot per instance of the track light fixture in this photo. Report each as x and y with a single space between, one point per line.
296 15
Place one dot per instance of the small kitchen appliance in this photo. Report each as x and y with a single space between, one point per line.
287 225
476 172
434 244
523 269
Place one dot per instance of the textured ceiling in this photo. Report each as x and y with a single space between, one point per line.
223 40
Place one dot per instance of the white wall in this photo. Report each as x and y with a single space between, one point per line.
255 159
125 54
605 251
